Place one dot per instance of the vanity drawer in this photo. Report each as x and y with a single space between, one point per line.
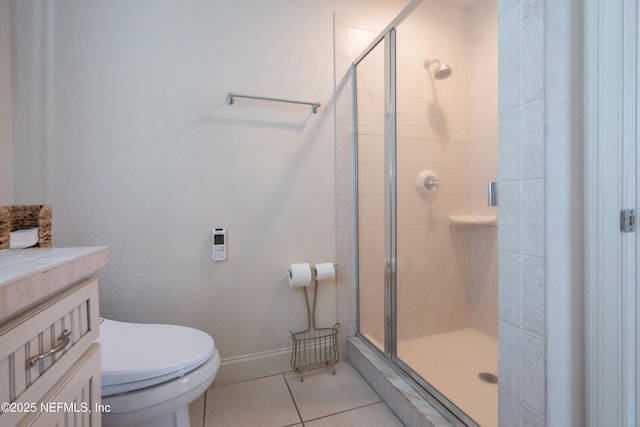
39 346
74 401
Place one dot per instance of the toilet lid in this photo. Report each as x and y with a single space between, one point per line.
137 352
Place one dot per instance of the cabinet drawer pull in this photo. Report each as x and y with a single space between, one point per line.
64 340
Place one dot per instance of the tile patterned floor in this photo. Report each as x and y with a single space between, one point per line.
321 400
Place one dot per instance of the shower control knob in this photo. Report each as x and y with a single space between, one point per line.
427 183
430 183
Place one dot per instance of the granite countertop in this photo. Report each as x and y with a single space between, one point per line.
29 276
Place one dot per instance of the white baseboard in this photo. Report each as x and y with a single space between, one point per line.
251 366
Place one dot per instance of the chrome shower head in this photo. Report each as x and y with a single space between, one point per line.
442 72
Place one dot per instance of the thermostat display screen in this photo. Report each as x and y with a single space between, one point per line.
218 239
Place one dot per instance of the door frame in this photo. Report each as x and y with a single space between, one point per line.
611 118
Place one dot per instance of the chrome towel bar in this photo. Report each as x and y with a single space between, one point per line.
232 96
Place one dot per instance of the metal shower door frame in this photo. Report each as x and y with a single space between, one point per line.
390 241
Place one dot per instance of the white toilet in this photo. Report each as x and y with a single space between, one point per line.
151 372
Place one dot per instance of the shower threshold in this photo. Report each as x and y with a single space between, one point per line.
410 406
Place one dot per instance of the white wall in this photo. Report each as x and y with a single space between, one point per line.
6 170
121 109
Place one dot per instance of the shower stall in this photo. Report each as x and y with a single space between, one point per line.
425 95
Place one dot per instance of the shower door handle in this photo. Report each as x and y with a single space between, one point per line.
492 193
389 309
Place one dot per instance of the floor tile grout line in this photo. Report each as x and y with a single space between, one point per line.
293 398
301 421
347 410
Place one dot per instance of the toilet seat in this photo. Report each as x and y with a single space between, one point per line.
137 355
141 408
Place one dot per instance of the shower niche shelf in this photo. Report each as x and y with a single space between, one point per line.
473 220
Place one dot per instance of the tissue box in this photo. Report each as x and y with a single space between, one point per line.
22 217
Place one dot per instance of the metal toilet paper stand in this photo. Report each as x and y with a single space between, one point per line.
314 348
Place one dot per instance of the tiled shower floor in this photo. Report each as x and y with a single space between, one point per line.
451 363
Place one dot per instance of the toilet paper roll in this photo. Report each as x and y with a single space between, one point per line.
299 275
325 271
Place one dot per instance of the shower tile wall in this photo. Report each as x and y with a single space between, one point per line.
352 36
522 337
358 33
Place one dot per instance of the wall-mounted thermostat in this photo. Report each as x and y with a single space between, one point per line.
219 244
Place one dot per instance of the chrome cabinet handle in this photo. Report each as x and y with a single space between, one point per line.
64 339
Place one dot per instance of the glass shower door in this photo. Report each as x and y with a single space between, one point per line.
446 152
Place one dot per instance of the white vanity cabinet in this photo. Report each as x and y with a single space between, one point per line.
49 357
